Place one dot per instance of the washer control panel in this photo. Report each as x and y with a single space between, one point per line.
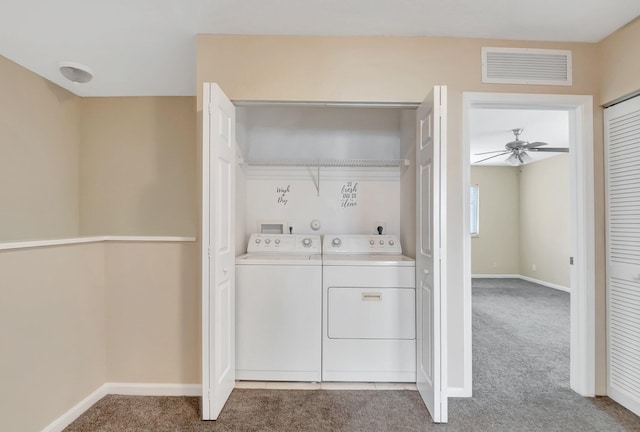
284 243
361 244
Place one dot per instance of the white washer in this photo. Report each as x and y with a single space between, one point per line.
279 308
368 291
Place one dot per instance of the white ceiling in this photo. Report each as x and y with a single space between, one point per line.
490 130
148 47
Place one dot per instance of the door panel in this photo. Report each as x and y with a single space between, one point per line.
622 144
224 337
430 297
426 214
427 331
218 251
223 205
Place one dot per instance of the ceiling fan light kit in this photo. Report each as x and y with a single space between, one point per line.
517 159
517 150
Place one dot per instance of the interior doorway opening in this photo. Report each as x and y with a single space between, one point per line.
519 249
581 236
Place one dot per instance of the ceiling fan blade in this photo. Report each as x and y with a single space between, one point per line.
491 157
535 144
497 151
550 149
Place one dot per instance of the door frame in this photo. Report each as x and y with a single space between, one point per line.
582 235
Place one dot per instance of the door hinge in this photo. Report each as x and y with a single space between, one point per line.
570 260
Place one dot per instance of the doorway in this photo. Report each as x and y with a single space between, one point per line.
581 236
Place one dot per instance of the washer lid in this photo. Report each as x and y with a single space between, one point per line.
368 260
279 259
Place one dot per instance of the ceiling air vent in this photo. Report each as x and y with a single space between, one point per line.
526 66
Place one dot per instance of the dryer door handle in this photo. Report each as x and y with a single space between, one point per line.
369 296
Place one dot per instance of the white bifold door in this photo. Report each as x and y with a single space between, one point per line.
218 250
430 269
622 162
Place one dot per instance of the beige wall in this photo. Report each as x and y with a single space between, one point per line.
153 313
93 166
496 250
382 69
138 166
39 142
524 220
52 332
620 63
544 220
73 317
392 69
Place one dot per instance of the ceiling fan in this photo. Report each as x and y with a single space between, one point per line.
517 150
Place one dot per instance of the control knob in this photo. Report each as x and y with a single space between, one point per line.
277 241
336 242
306 242
391 242
257 241
371 242
267 241
381 242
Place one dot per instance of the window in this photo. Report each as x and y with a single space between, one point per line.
474 195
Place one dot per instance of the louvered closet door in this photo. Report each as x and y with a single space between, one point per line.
622 154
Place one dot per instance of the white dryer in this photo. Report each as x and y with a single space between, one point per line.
279 308
369 326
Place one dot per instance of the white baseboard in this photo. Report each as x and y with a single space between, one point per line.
150 389
495 276
525 278
547 284
460 392
76 411
130 389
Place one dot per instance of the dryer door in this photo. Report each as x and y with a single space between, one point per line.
371 313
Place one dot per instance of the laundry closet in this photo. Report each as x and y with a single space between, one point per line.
363 179
309 172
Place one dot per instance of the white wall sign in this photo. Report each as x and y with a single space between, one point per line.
282 192
349 194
